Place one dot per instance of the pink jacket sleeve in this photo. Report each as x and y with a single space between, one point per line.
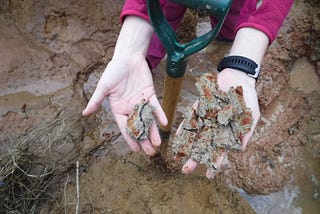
172 11
267 18
136 8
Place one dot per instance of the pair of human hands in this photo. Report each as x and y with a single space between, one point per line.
127 82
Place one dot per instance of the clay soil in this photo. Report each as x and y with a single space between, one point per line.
52 55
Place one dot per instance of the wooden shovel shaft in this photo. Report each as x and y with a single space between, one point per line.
171 93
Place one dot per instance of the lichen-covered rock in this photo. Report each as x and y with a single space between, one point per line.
140 121
217 123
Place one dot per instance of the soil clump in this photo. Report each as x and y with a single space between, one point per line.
217 123
53 53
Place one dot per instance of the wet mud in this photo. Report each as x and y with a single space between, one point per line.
130 184
52 55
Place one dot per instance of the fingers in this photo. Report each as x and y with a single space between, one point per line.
98 96
159 113
148 148
100 92
219 165
149 145
245 139
122 124
94 103
154 135
146 145
189 166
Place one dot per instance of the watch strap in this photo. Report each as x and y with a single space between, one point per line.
241 63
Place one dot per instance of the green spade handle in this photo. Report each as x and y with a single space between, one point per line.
178 53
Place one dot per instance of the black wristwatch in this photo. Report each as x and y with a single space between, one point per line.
241 63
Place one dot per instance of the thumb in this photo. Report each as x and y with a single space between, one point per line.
111 76
104 85
94 103
98 96
160 115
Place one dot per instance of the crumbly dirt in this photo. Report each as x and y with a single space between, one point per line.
216 124
140 121
52 55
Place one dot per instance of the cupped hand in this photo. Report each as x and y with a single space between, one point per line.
126 82
226 79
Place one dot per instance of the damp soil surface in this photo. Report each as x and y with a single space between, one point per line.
131 184
52 55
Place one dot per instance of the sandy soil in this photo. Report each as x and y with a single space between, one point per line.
131 185
52 54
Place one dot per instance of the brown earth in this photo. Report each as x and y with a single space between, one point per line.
52 54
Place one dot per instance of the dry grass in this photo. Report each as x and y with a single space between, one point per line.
26 171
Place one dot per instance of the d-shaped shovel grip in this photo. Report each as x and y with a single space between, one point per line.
178 53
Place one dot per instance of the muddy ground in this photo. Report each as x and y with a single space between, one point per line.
52 54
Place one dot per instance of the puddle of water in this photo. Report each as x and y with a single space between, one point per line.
17 101
309 184
277 202
309 199
301 197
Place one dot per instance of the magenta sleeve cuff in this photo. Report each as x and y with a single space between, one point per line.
268 17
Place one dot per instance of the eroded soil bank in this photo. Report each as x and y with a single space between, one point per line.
52 54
